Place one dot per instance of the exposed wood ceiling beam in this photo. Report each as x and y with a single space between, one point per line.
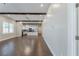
32 23
29 20
23 13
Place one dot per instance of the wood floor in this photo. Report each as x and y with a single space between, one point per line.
24 46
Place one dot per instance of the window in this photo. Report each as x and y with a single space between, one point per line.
0 28
11 28
8 27
5 27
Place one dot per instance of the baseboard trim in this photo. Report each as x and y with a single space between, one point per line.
49 47
3 39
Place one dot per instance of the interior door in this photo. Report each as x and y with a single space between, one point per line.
77 37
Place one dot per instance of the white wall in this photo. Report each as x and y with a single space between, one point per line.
59 30
55 30
19 28
9 35
72 27
78 30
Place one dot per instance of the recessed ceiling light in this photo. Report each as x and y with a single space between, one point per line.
40 15
8 15
20 22
42 5
56 5
48 15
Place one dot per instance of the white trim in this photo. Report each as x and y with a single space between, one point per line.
71 18
7 38
49 47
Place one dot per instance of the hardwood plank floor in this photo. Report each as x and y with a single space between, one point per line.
24 46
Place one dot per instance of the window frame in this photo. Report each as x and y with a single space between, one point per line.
9 29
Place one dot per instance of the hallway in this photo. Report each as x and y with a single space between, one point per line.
24 46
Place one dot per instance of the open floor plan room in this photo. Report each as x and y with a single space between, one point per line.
39 29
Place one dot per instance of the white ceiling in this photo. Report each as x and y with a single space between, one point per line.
25 8
26 17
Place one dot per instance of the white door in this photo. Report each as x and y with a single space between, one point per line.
77 38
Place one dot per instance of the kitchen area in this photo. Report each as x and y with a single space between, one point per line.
31 29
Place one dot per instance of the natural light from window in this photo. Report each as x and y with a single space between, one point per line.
8 27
